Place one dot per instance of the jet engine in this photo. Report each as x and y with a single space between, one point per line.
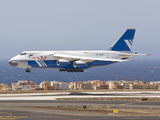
61 61
79 62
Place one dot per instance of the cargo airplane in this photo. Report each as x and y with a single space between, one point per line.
77 61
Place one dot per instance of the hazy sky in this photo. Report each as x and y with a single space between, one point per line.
77 25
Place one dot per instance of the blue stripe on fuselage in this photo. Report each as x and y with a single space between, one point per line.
53 64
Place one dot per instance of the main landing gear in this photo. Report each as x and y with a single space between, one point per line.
28 70
72 70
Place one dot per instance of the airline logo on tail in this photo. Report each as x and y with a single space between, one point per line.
129 43
124 43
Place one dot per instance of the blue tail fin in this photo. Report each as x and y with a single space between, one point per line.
124 43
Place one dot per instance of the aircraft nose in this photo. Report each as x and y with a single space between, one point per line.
13 63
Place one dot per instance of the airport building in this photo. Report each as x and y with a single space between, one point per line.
148 86
24 85
54 85
104 85
63 86
83 85
87 86
4 87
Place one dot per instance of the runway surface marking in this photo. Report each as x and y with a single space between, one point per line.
46 111
43 116
6 113
10 116
131 103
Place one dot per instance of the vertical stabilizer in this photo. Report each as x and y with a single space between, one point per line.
124 43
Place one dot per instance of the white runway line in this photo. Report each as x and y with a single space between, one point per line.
122 92
48 96
57 97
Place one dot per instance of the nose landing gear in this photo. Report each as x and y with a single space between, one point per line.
28 70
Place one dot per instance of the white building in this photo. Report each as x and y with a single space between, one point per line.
110 83
41 85
63 86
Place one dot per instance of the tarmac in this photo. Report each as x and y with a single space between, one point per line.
80 103
46 114
9 105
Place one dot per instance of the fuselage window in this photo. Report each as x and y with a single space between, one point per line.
23 54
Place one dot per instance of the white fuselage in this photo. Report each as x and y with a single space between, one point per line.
22 60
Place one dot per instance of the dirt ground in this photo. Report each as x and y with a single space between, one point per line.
114 99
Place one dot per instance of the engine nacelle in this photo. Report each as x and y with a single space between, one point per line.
79 62
61 61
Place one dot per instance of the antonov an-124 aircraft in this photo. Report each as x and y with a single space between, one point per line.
77 61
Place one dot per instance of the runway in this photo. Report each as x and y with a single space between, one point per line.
55 96
10 105
51 99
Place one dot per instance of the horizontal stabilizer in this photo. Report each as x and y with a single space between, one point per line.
125 54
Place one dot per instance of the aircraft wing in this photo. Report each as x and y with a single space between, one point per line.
85 58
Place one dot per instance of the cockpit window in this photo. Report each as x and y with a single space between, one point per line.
23 54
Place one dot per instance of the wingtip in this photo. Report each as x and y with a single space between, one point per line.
130 60
148 54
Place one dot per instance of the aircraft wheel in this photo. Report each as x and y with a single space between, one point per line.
72 70
82 70
28 71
